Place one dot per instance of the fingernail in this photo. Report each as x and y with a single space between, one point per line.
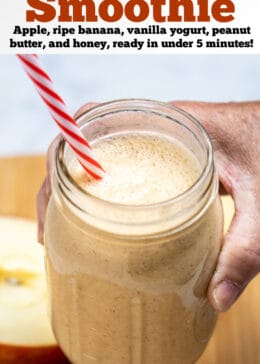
225 295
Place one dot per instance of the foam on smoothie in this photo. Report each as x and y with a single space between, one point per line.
134 292
141 169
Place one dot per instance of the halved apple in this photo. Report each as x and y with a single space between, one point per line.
25 333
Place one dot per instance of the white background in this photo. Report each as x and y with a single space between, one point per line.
13 12
26 126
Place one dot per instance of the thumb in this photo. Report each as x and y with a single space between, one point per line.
239 260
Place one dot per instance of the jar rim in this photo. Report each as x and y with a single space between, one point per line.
64 172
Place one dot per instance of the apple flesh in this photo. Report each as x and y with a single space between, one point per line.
25 333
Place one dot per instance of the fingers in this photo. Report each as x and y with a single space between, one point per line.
233 131
45 190
239 260
42 202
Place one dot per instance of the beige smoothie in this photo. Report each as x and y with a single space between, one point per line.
131 298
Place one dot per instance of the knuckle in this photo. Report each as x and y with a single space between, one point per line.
248 264
253 253
239 266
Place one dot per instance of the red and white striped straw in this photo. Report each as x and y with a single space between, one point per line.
57 109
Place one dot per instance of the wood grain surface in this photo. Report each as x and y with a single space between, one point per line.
236 339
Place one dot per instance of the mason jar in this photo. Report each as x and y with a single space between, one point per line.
128 283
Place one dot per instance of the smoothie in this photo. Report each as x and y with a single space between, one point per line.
141 169
129 258
130 298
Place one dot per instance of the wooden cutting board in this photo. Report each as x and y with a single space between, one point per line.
236 339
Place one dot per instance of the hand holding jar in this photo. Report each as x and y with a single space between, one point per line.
140 276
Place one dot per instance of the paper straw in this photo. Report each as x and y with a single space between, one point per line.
57 109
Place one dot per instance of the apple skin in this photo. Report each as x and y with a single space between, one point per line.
11 354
